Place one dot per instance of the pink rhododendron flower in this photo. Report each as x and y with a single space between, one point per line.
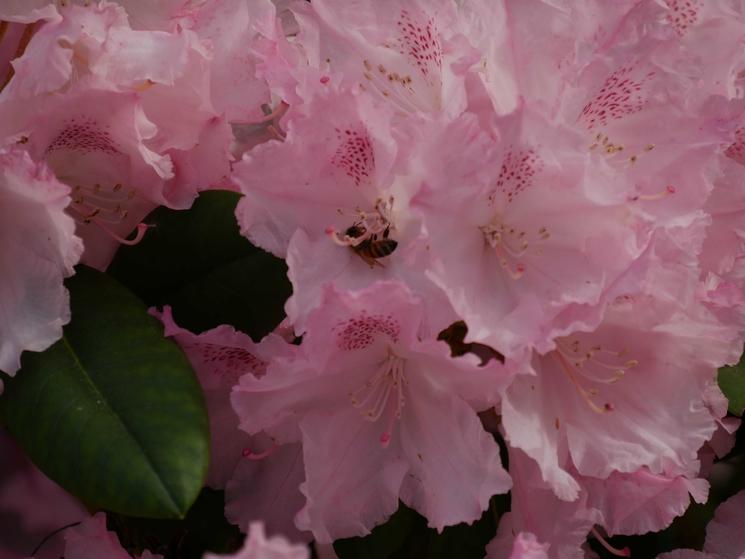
228 28
38 248
514 253
605 418
379 413
621 503
220 357
129 111
561 181
266 487
93 141
411 56
260 481
338 210
535 509
258 546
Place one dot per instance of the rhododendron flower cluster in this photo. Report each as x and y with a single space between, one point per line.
514 232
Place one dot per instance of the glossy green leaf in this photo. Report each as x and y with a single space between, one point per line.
732 383
112 412
196 261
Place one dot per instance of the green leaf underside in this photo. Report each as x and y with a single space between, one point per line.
732 382
112 412
197 261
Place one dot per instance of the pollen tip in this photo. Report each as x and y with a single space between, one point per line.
609 407
385 440
324 79
670 189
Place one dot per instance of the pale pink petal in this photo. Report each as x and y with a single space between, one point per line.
230 27
94 141
533 269
562 525
38 248
258 546
27 11
314 263
447 449
622 403
361 396
337 157
412 56
642 502
268 490
352 483
220 357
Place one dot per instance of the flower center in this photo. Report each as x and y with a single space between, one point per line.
383 395
105 207
510 244
595 364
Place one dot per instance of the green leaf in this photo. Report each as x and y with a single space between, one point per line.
112 412
197 262
732 383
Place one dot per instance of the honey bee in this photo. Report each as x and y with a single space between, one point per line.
372 248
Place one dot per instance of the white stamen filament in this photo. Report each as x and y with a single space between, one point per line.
104 208
374 397
397 90
510 244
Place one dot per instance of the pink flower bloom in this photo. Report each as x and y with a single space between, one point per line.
515 262
229 28
38 248
411 56
258 546
380 415
94 142
267 489
220 357
633 503
171 145
615 400
337 208
641 502
561 525
338 155
260 481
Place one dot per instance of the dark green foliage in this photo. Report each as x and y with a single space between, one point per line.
112 412
197 262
